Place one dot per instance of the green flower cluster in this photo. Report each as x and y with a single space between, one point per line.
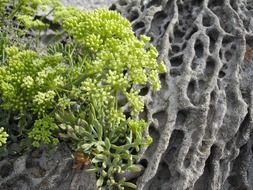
75 91
3 136
119 60
43 130
28 81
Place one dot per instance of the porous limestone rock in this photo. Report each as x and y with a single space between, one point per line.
88 4
201 121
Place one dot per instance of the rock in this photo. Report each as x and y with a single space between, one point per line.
201 120
42 170
88 4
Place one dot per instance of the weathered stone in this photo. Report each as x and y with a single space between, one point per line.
201 120
43 170
88 4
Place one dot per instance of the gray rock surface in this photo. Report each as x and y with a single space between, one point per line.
201 120
41 170
88 4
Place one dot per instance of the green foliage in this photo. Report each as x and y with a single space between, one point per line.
3 136
43 131
111 145
73 92
28 81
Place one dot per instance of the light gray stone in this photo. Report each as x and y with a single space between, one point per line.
88 4
201 120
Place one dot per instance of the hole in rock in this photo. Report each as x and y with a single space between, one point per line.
6 170
170 154
162 78
233 46
113 7
133 15
220 54
227 40
187 161
199 48
160 16
207 20
222 74
175 144
175 48
194 64
233 4
215 3
249 41
228 55
176 61
202 84
213 35
153 131
181 117
144 91
210 66
144 163
138 26
122 2
193 30
178 34
144 113
197 2
154 3
174 72
191 89
161 118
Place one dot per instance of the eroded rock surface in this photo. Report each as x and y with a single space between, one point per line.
88 4
201 120
42 170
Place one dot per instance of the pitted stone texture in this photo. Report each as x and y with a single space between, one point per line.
201 120
41 170
88 4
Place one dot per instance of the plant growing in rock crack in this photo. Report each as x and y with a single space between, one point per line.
74 91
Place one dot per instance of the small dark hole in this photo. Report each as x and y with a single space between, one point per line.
222 74
154 3
207 21
161 15
133 15
175 72
181 118
138 25
6 170
122 3
144 91
112 7
214 3
199 49
210 66
176 61
144 162
213 35
175 48
227 40
228 55
197 2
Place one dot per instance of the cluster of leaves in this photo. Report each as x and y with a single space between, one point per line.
74 91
